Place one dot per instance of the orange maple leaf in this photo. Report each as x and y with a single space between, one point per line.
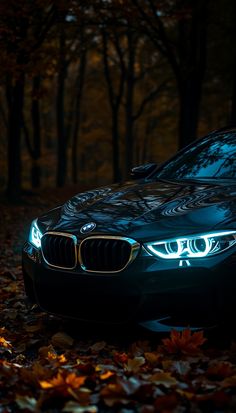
184 342
63 382
4 343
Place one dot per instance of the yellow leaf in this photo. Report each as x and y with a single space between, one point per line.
135 364
163 378
106 375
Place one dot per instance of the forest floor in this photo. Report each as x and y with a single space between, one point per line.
50 365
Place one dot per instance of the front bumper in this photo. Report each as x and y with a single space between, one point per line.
149 288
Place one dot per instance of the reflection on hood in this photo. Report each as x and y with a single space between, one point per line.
156 207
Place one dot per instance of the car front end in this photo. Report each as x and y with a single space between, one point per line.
114 278
161 246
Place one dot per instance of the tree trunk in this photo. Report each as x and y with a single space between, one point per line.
15 98
187 59
129 120
192 67
115 147
115 99
60 113
75 138
190 99
35 114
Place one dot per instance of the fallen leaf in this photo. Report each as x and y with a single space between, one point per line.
5 345
119 392
229 382
98 346
184 342
73 407
63 382
133 365
107 375
33 328
62 340
152 358
120 358
163 378
43 351
181 367
147 408
220 369
26 402
166 403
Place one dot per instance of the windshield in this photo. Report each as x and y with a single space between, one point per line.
210 157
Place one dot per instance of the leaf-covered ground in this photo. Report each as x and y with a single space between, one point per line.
50 365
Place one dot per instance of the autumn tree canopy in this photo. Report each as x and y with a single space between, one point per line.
134 79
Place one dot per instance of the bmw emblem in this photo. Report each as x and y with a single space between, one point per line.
88 227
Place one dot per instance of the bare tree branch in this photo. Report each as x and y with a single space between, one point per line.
154 93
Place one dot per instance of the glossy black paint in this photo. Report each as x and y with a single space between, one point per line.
156 208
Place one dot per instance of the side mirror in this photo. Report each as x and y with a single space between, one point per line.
142 171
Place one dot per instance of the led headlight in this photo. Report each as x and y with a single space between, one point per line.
35 234
202 245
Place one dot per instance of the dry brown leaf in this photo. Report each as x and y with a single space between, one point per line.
113 394
229 382
74 407
35 373
33 328
166 403
133 365
43 351
96 347
163 378
220 370
147 408
62 340
152 358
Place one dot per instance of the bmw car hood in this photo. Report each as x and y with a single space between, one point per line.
150 210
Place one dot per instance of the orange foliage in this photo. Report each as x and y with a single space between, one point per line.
63 382
184 342
5 344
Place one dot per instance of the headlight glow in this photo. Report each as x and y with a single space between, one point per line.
198 246
35 234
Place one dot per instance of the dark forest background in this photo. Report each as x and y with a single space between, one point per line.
90 88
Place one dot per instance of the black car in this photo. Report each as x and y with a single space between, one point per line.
161 245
